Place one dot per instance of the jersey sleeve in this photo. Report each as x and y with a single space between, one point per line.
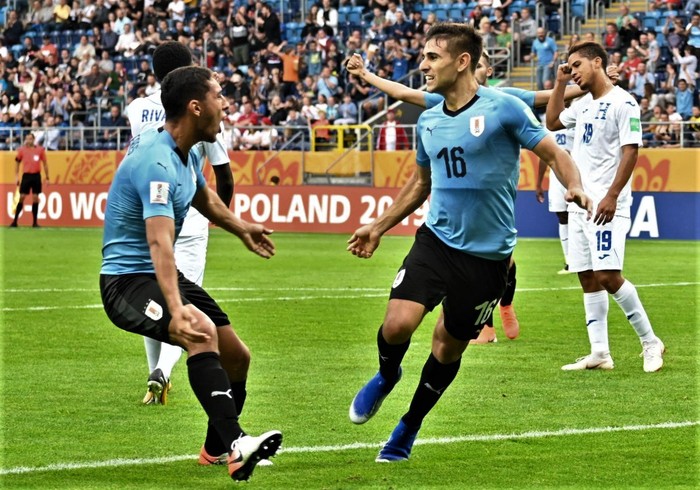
216 152
629 123
568 117
422 158
527 96
155 187
519 118
132 113
20 154
431 100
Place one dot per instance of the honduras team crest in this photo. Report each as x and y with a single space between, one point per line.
476 125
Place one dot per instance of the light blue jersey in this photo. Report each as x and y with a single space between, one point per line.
527 96
474 157
152 180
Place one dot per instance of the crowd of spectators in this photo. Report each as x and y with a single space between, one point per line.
78 64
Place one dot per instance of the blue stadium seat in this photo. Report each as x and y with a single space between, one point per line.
3 15
456 13
649 22
345 9
441 13
355 19
459 5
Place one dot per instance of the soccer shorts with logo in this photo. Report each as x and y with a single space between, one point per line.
597 248
135 303
555 196
469 287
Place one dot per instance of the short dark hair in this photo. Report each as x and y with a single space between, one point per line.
169 56
182 85
460 38
591 51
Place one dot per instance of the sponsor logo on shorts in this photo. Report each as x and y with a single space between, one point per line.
154 311
399 278
159 192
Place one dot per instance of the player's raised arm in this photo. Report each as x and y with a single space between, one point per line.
555 106
356 66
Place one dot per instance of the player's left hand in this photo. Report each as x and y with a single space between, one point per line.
576 195
257 241
606 211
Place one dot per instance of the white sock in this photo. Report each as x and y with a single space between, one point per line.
152 352
628 299
169 355
564 239
596 308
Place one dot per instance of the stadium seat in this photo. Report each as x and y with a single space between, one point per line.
355 19
441 13
3 15
456 14
649 22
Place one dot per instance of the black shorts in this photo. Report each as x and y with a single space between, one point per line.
469 287
135 303
30 182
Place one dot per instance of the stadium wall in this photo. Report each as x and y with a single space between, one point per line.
666 185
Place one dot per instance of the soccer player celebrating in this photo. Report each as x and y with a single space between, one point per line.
608 135
191 244
355 65
468 161
142 290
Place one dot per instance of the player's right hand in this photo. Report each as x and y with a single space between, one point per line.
563 73
363 242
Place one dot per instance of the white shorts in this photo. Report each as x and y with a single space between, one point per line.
597 248
191 256
555 196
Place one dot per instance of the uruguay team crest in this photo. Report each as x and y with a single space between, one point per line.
476 125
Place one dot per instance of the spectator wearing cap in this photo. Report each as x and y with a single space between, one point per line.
417 22
391 136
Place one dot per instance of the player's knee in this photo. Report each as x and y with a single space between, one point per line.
397 329
610 280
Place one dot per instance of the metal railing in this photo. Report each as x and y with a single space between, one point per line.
682 134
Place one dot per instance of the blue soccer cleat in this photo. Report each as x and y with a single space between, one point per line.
370 397
398 447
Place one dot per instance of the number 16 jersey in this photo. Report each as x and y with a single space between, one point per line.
474 157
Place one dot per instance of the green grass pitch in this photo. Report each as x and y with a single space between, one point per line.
72 383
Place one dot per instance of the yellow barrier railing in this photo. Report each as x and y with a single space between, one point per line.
338 137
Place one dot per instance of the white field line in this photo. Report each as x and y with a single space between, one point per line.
111 463
346 293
